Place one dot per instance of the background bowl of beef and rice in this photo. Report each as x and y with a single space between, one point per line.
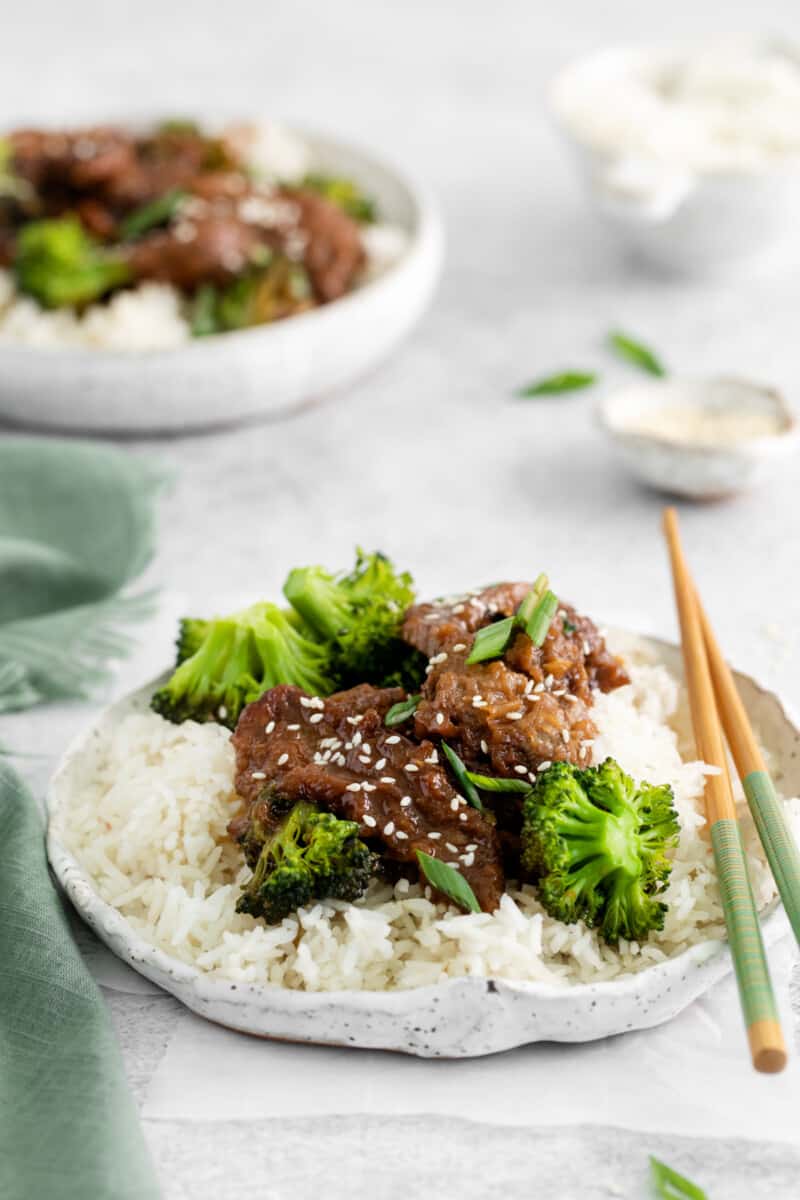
180 274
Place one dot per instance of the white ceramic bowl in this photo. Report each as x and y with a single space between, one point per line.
699 472
460 1018
680 221
247 374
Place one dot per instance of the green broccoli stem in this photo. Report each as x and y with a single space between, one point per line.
319 601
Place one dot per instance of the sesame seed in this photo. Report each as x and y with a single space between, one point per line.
458 608
449 846
380 764
388 829
528 687
520 769
316 718
222 712
434 837
352 720
403 837
514 716
393 740
405 802
548 681
293 727
364 758
368 820
539 687
472 847
433 757
269 728
354 787
440 718
484 747
587 649
411 767
284 758
257 775
356 739
366 748
306 702
462 816
544 765
368 787
459 646
565 736
468 859
454 804
388 779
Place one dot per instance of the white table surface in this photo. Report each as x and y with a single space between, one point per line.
432 461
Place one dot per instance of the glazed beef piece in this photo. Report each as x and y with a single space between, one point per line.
510 716
210 249
333 252
337 753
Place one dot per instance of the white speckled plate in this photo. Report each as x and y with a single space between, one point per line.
252 373
458 1019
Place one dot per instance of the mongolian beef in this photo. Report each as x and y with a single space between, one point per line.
87 213
448 742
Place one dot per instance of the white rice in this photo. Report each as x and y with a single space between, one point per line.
147 819
152 316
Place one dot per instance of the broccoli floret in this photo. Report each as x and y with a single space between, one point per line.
191 635
238 659
59 264
359 615
596 843
312 856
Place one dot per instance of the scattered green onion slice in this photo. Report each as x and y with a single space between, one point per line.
203 315
567 626
448 881
157 212
554 385
491 641
462 775
541 618
487 783
672 1186
525 610
402 711
635 352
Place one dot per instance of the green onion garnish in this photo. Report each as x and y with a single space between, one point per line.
203 313
567 626
541 618
526 608
488 783
462 776
448 881
635 352
402 710
672 1186
157 212
491 641
554 385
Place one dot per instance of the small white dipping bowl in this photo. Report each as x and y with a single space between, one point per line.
700 470
678 219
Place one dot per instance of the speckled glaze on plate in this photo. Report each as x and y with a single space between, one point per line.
460 1018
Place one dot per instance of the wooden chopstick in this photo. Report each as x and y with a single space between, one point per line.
764 1034
768 814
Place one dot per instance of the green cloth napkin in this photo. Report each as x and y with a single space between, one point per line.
68 1125
76 525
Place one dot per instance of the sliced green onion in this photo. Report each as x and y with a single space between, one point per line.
554 385
203 314
157 212
567 626
448 881
462 775
541 618
402 711
635 352
488 783
525 610
672 1186
491 641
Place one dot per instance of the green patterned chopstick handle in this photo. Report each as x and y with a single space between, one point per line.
776 838
741 918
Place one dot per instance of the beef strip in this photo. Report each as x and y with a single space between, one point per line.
338 753
509 716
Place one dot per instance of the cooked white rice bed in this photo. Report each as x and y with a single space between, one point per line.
147 821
